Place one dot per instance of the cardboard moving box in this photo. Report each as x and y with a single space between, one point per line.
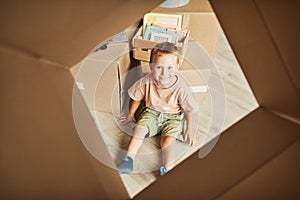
142 46
42 156
202 27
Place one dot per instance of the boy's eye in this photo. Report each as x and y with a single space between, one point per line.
170 67
158 67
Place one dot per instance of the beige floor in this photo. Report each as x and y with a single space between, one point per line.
239 101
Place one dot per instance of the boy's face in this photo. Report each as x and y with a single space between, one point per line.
164 69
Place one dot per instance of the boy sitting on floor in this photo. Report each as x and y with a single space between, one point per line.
169 102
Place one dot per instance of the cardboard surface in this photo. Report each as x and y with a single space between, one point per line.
107 91
197 84
259 57
281 19
89 75
200 19
241 149
204 28
104 78
41 154
65 32
272 181
92 138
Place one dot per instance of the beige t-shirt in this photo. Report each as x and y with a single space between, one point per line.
166 100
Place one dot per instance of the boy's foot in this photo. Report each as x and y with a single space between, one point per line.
163 170
126 166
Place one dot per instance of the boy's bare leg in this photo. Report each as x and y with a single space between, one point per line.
167 144
136 140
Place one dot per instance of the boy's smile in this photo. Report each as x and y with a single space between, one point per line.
164 68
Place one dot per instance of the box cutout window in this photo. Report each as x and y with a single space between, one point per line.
209 66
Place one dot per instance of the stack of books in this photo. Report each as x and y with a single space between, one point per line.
163 28
157 28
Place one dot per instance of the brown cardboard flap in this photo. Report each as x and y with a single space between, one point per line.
241 149
259 56
282 21
42 156
278 179
66 31
93 139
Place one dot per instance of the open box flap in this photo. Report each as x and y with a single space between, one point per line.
37 123
271 177
41 153
282 20
241 149
66 31
266 54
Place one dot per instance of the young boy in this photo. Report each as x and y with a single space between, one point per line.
168 101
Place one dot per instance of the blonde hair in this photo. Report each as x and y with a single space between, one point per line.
163 49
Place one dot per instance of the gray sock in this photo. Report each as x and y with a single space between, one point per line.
163 170
126 166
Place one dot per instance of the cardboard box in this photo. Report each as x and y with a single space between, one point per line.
103 82
109 95
42 155
142 54
203 27
197 79
142 47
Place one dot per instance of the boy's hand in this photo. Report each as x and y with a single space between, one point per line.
190 137
124 119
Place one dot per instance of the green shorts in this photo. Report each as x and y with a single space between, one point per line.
162 123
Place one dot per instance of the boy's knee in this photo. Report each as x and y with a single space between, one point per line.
140 131
166 140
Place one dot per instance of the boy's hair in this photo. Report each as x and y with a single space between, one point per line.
162 49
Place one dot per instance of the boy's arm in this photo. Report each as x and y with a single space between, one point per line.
133 107
130 117
192 121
